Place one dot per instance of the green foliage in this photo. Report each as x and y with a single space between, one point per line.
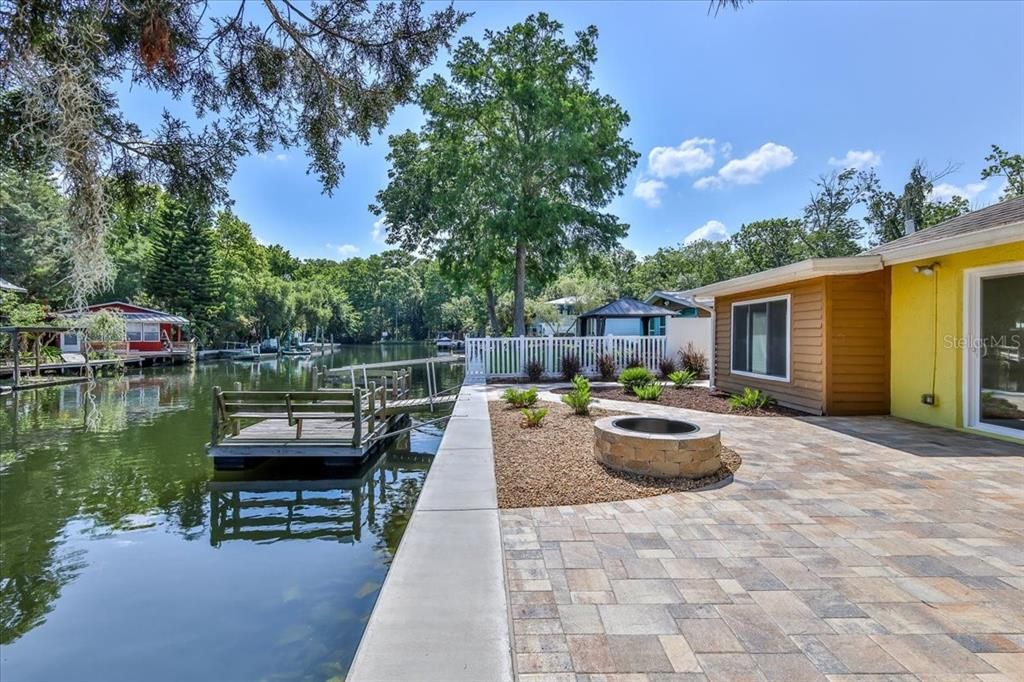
570 366
1009 166
520 398
534 370
606 367
104 326
682 378
181 274
828 230
651 391
579 398
888 213
32 233
530 153
532 417
632 377
666 366
751 398
765 244
18 313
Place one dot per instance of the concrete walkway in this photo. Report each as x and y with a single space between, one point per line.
442 614
845 548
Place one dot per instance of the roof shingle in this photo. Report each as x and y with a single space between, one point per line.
997 215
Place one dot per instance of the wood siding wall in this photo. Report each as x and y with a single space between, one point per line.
857 338
839 354
805 389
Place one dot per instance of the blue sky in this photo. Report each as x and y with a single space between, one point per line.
735 116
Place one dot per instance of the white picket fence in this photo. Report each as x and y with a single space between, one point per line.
508 357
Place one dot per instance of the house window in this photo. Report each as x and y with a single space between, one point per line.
151 332
760 338
134 331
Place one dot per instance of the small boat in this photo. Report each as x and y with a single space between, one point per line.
252 353
296 351
444 341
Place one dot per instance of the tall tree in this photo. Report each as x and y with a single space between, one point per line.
765 244
828 230
519 155
1009 166
889 214
295 75
181 274
33 234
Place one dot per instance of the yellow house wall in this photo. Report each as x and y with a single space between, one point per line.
914 344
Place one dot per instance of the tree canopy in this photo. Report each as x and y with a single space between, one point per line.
283 75
518 156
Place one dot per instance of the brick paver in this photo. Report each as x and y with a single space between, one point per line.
844 548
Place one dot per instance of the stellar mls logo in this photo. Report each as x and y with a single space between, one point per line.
983 343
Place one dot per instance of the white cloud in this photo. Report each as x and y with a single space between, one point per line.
691 156
344 250
857 159
380 231
712 229
648 190
726 150
750 169
945 191
281 157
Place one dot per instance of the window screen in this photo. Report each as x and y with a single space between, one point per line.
760 337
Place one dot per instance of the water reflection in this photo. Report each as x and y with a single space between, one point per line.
120 558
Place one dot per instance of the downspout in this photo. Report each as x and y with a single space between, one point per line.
713 350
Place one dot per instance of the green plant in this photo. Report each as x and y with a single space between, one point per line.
682 377
752 398
579 397
606 367
666 367
650 391
693 359
534 370
570 366
517 398
534 416
635 376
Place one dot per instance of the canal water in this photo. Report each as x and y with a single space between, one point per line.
123 556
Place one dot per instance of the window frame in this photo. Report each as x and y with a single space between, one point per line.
789 336
148 327
128 331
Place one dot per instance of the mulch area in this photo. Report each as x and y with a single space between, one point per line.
554 464
693 398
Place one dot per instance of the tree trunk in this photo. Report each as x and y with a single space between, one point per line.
492 312
519 303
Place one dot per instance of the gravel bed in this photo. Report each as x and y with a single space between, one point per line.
693 398
554 464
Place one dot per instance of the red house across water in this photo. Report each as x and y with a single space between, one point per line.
147 330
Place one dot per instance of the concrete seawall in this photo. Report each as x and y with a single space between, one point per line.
442 614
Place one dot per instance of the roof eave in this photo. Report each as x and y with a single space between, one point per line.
993 236
794 272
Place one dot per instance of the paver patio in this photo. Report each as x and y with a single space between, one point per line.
844 548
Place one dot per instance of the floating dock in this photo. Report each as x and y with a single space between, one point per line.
342 426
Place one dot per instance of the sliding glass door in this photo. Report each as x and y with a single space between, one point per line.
995 352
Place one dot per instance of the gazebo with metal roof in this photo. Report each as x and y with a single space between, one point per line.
624 317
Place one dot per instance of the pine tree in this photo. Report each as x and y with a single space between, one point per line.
181 276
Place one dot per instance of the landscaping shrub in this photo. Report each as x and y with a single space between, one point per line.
517 398
666 367
534 370
693 359
753 398
635 376
634 362
648 391
570 366
606 367
682 378
534 416
579 397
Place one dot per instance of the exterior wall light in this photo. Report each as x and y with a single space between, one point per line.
926 270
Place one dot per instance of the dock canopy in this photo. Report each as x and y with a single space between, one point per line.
10 286
624 317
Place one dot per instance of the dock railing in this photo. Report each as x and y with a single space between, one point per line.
508 357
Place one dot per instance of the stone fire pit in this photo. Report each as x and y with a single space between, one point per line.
663 448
